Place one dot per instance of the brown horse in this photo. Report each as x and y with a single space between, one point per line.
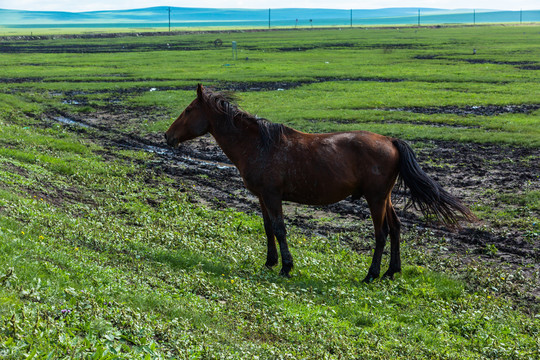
279 163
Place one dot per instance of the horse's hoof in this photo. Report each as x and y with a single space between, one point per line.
389 275
285 272
270 264
285 275
369 278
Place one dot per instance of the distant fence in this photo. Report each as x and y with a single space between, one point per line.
276 18
302 18
171 17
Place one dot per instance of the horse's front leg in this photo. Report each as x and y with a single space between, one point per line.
275 215
271 255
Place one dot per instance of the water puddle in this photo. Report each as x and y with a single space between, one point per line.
185 160
71 102
154 149
216 164
67 121
158 150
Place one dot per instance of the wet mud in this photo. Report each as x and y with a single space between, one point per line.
32 47
482 110
482 174
523 65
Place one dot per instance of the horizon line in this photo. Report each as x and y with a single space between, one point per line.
268 8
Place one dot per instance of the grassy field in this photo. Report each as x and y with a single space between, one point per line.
103 255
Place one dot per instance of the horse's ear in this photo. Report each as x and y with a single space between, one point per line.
199 91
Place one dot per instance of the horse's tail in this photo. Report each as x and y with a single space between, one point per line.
426 194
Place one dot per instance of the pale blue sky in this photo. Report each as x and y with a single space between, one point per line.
70 5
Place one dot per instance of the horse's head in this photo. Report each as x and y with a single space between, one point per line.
192 123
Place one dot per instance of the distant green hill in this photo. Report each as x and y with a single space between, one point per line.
182 17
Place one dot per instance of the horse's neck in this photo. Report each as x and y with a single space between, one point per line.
237 141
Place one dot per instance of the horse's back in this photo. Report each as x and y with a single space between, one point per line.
325 168
353 148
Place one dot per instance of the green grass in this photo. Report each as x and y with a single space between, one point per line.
103 258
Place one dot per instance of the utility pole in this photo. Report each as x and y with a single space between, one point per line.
169 19
269 18
520 16
351 17
418 17
474 17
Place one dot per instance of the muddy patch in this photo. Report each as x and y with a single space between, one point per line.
349 45
426 57
21 80
432 124
420 123
22 47
480 110
345 45
530 67
286 85
496 62
523 65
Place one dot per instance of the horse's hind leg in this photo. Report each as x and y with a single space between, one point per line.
378 214
394 226
271 255
277 225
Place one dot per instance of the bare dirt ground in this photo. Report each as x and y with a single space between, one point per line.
482 174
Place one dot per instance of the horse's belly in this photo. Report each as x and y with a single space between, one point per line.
318 191
313 200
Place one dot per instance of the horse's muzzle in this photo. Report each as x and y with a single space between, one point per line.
170 140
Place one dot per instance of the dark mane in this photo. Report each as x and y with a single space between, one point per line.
225 103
